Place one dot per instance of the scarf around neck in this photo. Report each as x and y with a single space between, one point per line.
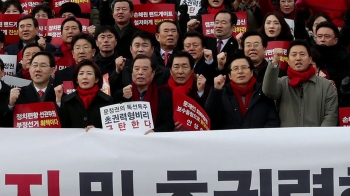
297 77
247 92
87 95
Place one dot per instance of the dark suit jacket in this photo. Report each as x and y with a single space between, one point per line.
230 48
157 57
64 75
13 49
74 115
28 94
4 98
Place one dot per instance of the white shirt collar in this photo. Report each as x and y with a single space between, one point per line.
37 89
224 42
163 51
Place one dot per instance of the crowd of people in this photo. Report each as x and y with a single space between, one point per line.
227 76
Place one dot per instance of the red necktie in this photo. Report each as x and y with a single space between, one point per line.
166 57
219 46
41 93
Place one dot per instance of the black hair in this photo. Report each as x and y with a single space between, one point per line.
2 65
233 17
316 57
15 3
44 8
131 4
182 54
142 56
299 43
2 37
85 36
72 19
285 34
241 56
330 25
143 35
312 18
35 21
166 21
31 45
97 71
44 53
254 33
193 34
104 29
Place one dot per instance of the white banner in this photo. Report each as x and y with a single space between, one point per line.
290 24
193 6
15 82
10 62
260 162
131 116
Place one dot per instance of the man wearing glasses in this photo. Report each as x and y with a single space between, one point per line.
240 104
83 46
42 66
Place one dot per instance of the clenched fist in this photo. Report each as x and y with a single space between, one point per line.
58 92
201 80
208 54
221 60
193 24
219 82
278 52
14 94
119 64
127 92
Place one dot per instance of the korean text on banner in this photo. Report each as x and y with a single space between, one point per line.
62 63
10 62
68 87
129 116
147 16
8 24
15 81
36 115
28 5
344 117
193 6
208 24
270 52
42 27
191 115
54 29
85 5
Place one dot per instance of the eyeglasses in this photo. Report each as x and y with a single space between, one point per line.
41 65
254 45
236 69
84 48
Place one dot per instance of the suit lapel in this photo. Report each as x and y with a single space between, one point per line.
228 45
30 93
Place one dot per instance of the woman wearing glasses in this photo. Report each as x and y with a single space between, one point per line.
240 104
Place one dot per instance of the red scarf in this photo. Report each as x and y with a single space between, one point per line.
25 74
246 91
297 77
151 96
186 88
215 10
67 51
87 95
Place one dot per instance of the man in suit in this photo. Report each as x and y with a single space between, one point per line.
4 94
42 66
27 53
167 35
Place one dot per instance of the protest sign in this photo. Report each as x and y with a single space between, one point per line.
8 24
54 29
129 116
15 82
290 24
28 5
270 52
344 117
10 62
147 16
36 115
68 87
193 6
42 27
62 63
190 114
208 24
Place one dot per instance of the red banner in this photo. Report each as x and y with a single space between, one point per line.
42 27
278 44
62 63
208 24
190 114
28 5
54 29
8 24
36 115
147 20
68 87
85 5
344 117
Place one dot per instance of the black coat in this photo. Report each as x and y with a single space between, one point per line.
224 112
74 115
157 57
64 75
28 94
106 64
208 71
165 121
4 98
14 49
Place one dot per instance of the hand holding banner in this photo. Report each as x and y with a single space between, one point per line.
129 116
36 115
